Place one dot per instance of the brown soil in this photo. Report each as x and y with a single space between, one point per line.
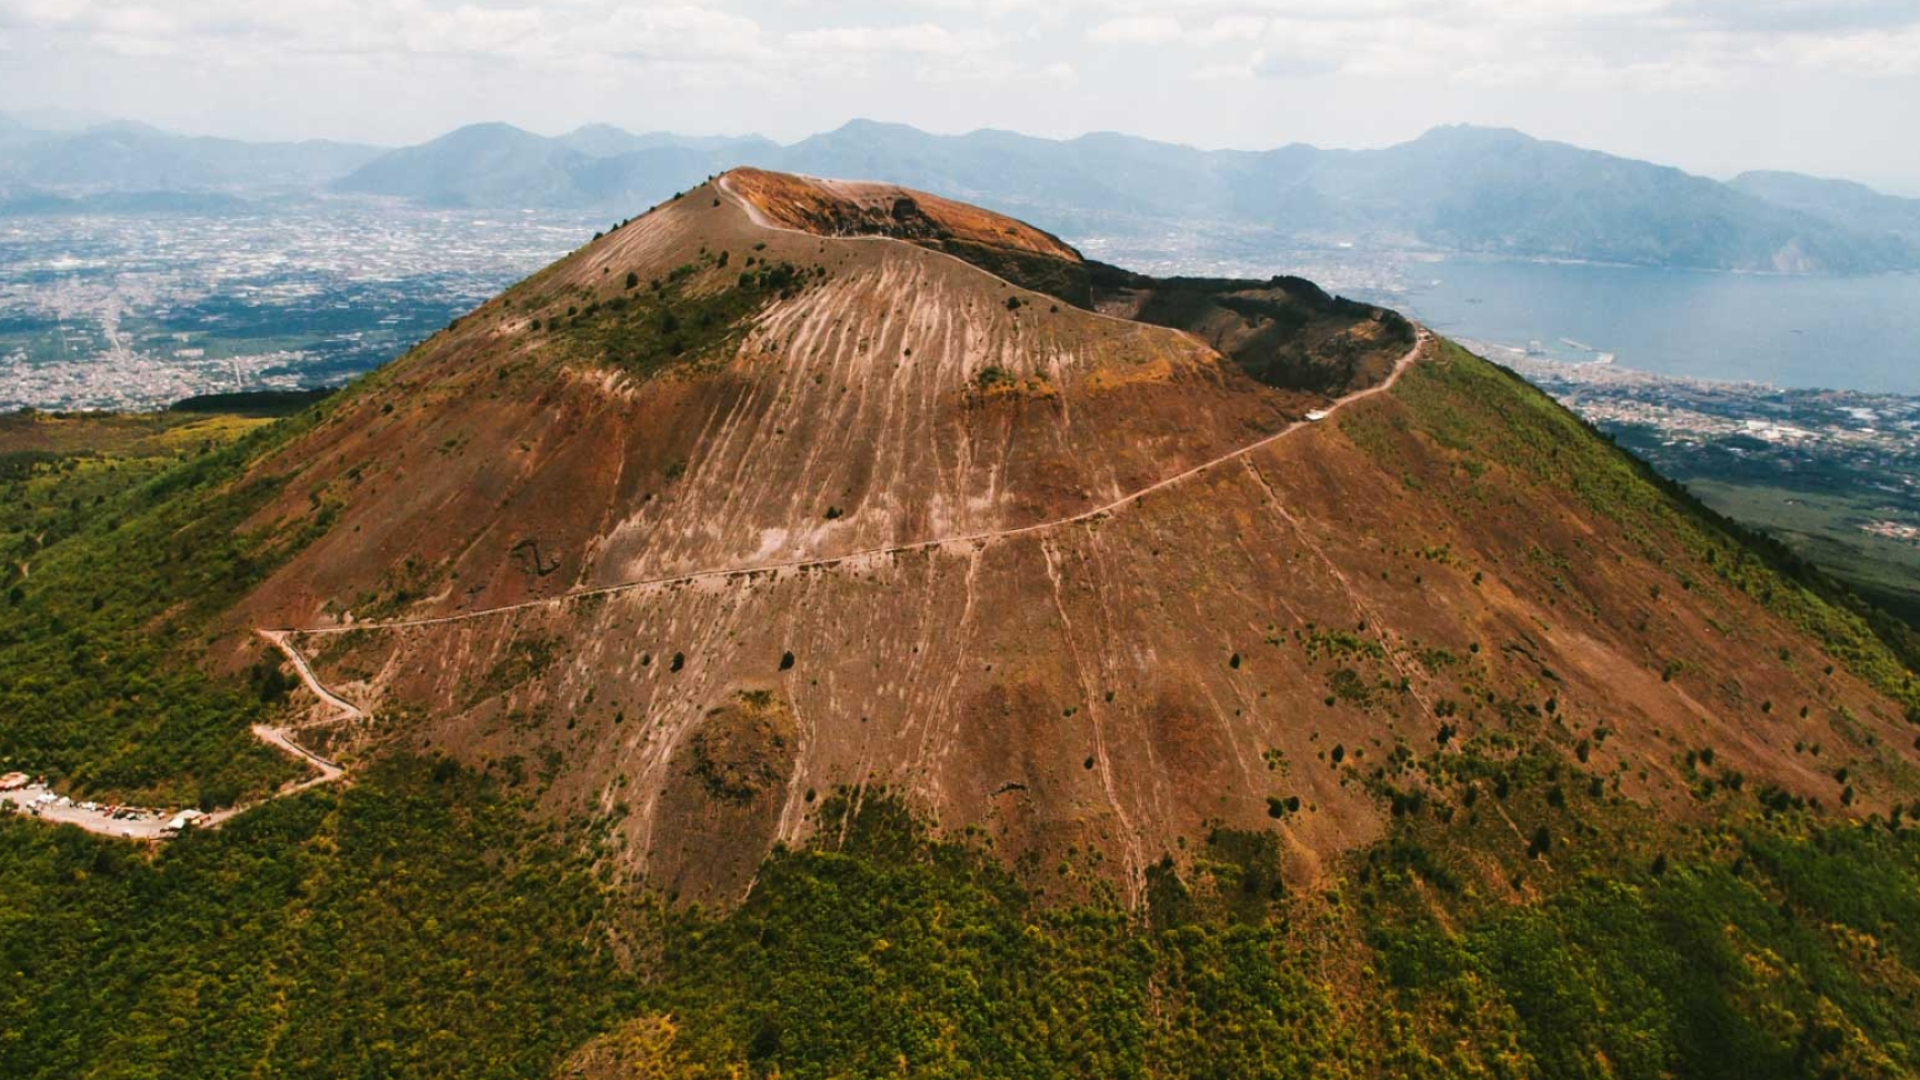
1114 685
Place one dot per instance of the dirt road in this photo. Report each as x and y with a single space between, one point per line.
155 823
279 637
347 709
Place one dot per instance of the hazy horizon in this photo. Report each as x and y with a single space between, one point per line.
68 121
1710 86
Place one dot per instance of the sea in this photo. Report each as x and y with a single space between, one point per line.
1851 333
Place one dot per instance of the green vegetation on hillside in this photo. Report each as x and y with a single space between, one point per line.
1286 331
686 317
252 403
1043 273
117 560
1485 415
1519 918
1737 958
1820 523
412 924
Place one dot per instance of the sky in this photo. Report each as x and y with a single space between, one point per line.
1830 87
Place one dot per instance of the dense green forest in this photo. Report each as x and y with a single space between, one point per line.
404 927
417 924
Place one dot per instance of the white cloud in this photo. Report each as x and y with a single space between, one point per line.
1813 16
918 38
1136 30
1496 42
677 33
1869 54
469 29
1230 28
1224 73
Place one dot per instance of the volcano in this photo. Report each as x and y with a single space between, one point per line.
792 487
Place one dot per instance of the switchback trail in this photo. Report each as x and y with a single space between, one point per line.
329 771
347 709
150 823
282 638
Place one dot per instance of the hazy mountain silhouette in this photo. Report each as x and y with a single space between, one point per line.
1460 188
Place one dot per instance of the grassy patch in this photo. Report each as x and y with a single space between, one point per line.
694 314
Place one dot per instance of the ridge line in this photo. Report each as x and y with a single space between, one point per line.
760 221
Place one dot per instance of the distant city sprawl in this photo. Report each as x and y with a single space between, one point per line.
136 311
1831 473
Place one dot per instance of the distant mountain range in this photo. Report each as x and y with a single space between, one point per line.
123 157
600 166
1840 202
1461 188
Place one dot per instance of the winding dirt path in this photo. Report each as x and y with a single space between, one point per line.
280 636
347 709
156 824
153 823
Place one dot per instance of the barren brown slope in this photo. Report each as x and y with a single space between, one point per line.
883 395
863 208
1262 645
1009 249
